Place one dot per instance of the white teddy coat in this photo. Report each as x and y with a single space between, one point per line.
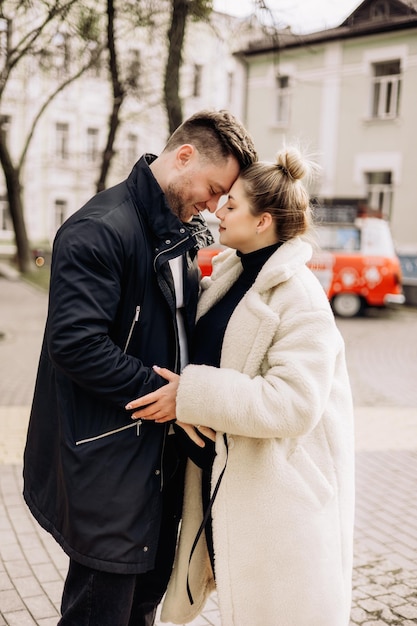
283 516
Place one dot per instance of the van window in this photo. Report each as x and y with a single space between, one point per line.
337 237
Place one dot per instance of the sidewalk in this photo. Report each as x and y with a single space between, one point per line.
33 566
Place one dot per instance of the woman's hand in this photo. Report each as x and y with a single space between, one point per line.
160 405
193 433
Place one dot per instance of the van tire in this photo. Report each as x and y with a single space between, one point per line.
347 305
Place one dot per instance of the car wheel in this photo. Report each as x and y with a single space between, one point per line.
347 305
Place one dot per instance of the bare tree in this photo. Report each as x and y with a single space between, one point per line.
181 11
32 39
176 34
143 15
119 94
124 23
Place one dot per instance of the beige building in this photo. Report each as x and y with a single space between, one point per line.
348 96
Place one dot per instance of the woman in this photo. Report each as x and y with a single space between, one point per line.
283 513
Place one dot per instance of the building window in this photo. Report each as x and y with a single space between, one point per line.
92 145
197 80
282 99
61 54
94 69
386 89
134 68
4 37
379 192
379 9
57 56
62 139
5 219
230 86
60 213
5 122
132 148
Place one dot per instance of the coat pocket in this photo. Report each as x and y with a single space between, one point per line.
309 477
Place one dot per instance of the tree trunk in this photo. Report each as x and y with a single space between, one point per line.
14 193
176 36
118 97
108 152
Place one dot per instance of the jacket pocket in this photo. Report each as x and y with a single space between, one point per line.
314 482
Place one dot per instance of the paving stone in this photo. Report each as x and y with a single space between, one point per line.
27 586
5 582
19 618
10 601
46 572
408 611
40 606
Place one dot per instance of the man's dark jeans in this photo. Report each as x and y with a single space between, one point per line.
95 598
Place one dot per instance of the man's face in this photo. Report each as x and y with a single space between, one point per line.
198 185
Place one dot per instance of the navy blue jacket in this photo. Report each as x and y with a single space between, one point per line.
92 476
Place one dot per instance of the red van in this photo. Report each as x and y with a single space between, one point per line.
357 265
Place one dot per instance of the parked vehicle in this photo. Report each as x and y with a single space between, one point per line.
205 256
409 276
357 265
355 262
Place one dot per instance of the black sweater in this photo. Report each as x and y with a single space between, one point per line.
209 333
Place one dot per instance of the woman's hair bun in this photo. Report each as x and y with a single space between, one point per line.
291 163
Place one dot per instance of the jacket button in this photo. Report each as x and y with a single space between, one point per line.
167 241
157 472
182 231
145 549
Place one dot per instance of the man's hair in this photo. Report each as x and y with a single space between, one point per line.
216 135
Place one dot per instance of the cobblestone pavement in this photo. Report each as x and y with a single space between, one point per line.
381 354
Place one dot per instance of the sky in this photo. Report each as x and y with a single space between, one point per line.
302 15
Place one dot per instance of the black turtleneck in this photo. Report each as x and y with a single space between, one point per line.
210 329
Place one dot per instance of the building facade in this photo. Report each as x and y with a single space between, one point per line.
348 97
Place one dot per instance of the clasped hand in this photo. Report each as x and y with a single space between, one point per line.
160 406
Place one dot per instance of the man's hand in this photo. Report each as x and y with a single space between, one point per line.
159 405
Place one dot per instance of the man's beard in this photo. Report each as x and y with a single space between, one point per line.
176 203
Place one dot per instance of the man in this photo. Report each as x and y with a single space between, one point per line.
123 294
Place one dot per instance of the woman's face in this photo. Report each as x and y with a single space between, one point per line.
238 226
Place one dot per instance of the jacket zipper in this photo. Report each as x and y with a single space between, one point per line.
135 320
108 433
132 326
176 366
179 243
167 427
138 422
166 250
161 482
177 359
